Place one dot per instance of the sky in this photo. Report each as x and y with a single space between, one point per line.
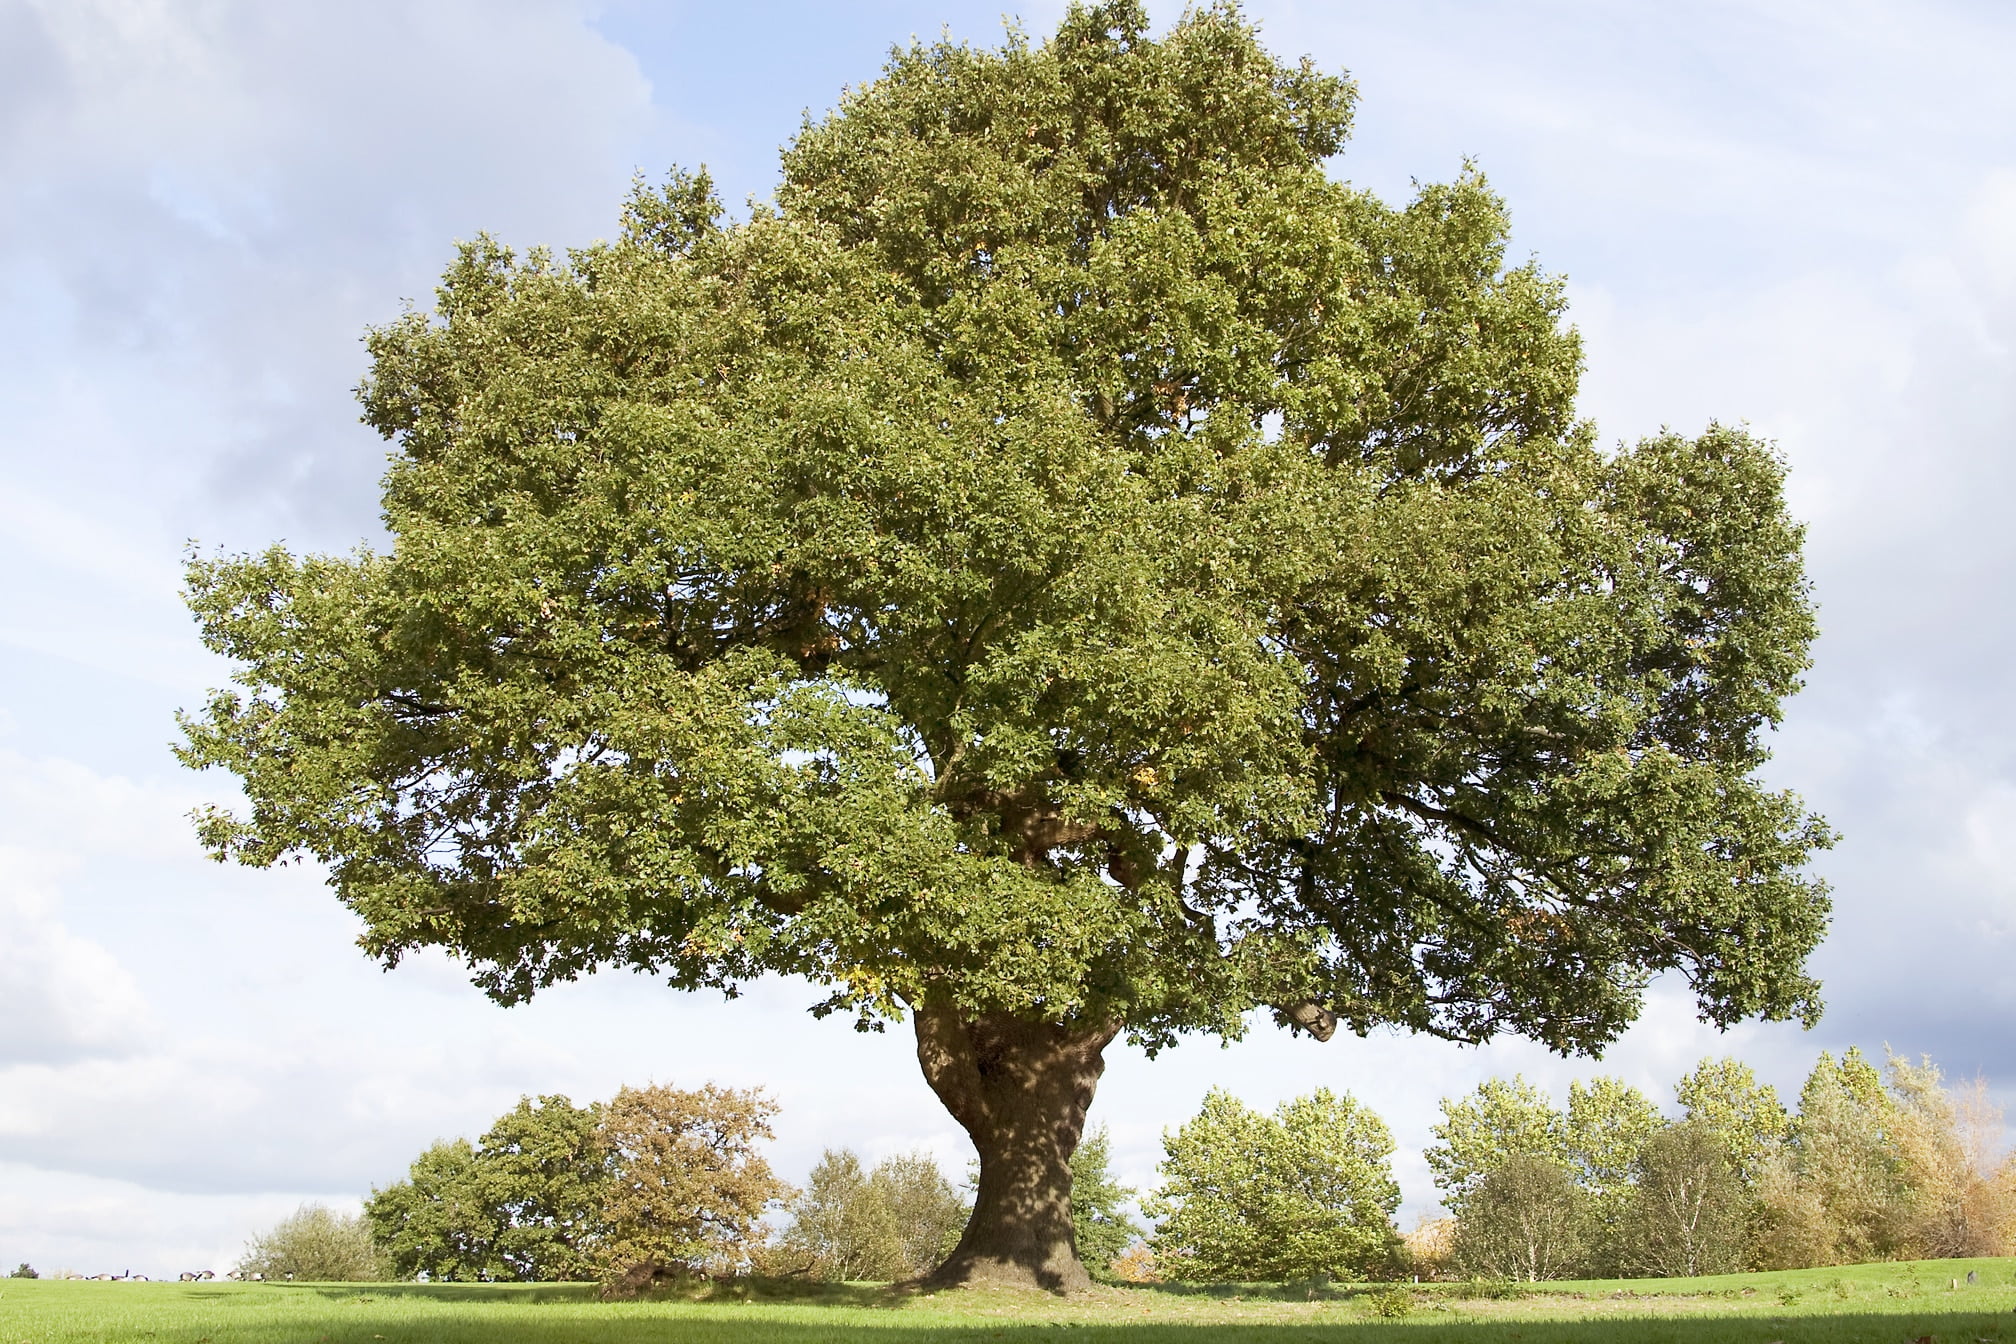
1797 215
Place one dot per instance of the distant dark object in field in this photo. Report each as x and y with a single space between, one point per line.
1973 1276
648 1278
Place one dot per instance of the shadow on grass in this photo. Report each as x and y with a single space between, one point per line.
775 1292
633 1328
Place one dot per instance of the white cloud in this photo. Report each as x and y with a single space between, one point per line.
61 996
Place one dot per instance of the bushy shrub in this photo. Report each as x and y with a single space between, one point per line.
318 1245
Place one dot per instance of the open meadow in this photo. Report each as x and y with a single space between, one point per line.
1883 1304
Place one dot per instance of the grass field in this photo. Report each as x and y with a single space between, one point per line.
1882 1304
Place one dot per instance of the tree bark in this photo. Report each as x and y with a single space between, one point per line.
1019 1090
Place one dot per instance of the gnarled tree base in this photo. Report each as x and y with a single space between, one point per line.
1020 1090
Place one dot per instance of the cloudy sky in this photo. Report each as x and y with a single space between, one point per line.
1799 214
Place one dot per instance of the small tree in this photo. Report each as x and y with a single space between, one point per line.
1608 1125
1099 1219
24 1270
436 1221
1480 1133
1688 1213
895 1222
840 1227
1953 1204
687 1186
524 1204
315 1244
1306 1191
1835 1195
1526 1219
929 1211
542 1171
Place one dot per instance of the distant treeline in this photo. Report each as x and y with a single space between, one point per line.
1866 1168
1871 1165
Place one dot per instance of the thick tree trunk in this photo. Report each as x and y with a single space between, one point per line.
1020 1090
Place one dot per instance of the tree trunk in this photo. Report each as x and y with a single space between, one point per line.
1020 1090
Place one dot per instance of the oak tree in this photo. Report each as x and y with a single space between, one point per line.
687 1187
1066 565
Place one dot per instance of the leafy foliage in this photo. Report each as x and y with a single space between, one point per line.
1863 1171
1873 1172
314 1244
1069 553
1502 1119
1831 1197
1960 1200
436 1222
1608 1124
1725 1098
1307 1191
24 1270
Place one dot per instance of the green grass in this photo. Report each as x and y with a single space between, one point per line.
1882 1304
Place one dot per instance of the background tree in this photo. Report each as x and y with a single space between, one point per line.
840 1228
436 1221
929 1210
24 1270
1500 1120
1100 1224
1526 1219
523 1204
1953 1204
1835 1194
1608 1124
1724 1098
542 1169
687 1187
1068 564
1688 1212
1304 1192
317 1245
894 1223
